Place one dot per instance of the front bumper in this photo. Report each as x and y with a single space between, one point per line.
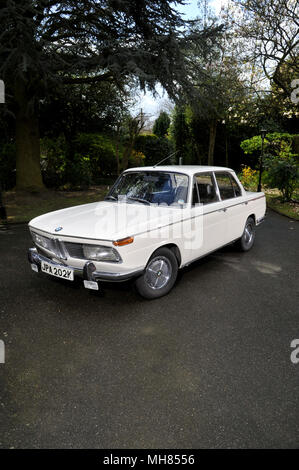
88 272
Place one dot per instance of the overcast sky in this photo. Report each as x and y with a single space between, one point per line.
147 102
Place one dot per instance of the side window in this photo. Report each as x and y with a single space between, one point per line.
225 185
206 188
236 187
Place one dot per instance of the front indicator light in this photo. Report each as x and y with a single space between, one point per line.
124 241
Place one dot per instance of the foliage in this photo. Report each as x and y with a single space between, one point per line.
91 108
161 125
49 46
284 175
93 160
272 141
99 150
136 159
280 161
249 178
133 127
53 161
283 171
180 134
79 173
154 148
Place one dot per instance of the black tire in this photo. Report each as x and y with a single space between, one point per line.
159 275
247 240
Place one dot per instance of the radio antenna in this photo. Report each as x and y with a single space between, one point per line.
169 156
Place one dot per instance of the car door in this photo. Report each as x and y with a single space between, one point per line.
233 204
213 221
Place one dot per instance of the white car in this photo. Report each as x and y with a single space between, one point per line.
153 222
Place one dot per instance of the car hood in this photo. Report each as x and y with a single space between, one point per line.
106 220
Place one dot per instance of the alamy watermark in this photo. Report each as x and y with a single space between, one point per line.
295 353
2 92
154 221
2 352
295 92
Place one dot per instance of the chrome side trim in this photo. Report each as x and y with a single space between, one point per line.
157 228
256 198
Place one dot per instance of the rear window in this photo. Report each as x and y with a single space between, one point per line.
228 187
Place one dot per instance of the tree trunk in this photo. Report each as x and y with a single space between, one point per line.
226 151
213 130
28 177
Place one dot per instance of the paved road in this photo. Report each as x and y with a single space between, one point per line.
207 366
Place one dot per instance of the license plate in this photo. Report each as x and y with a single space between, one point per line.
57 271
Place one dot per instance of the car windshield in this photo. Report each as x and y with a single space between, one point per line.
151 187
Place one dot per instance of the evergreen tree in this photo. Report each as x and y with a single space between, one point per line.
161 125
49 45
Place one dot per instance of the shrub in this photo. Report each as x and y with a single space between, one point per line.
249 178
271 144
137 159
100 150
53 161
154 148
93 158
283 171
281 163
79 172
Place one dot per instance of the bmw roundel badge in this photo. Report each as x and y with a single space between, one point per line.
58 229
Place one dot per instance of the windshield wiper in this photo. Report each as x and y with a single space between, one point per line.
110 198
138 199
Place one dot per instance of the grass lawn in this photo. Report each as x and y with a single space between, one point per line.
291 209
22 207
273 196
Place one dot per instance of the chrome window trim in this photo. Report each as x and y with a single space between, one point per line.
230 175
215 187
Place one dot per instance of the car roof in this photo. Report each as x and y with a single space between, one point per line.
187 169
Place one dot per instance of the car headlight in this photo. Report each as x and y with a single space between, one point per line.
101 253
41 241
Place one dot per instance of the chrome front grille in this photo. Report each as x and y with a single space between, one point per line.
75 250
56 248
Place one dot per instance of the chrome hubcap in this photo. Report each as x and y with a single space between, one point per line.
248 234
158 272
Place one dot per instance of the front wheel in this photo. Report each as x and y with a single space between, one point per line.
159 275
247 240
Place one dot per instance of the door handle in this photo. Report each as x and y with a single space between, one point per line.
225 209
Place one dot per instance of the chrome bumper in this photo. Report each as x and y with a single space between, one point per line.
88 273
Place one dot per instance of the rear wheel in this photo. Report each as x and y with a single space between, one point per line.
159 276
247 240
